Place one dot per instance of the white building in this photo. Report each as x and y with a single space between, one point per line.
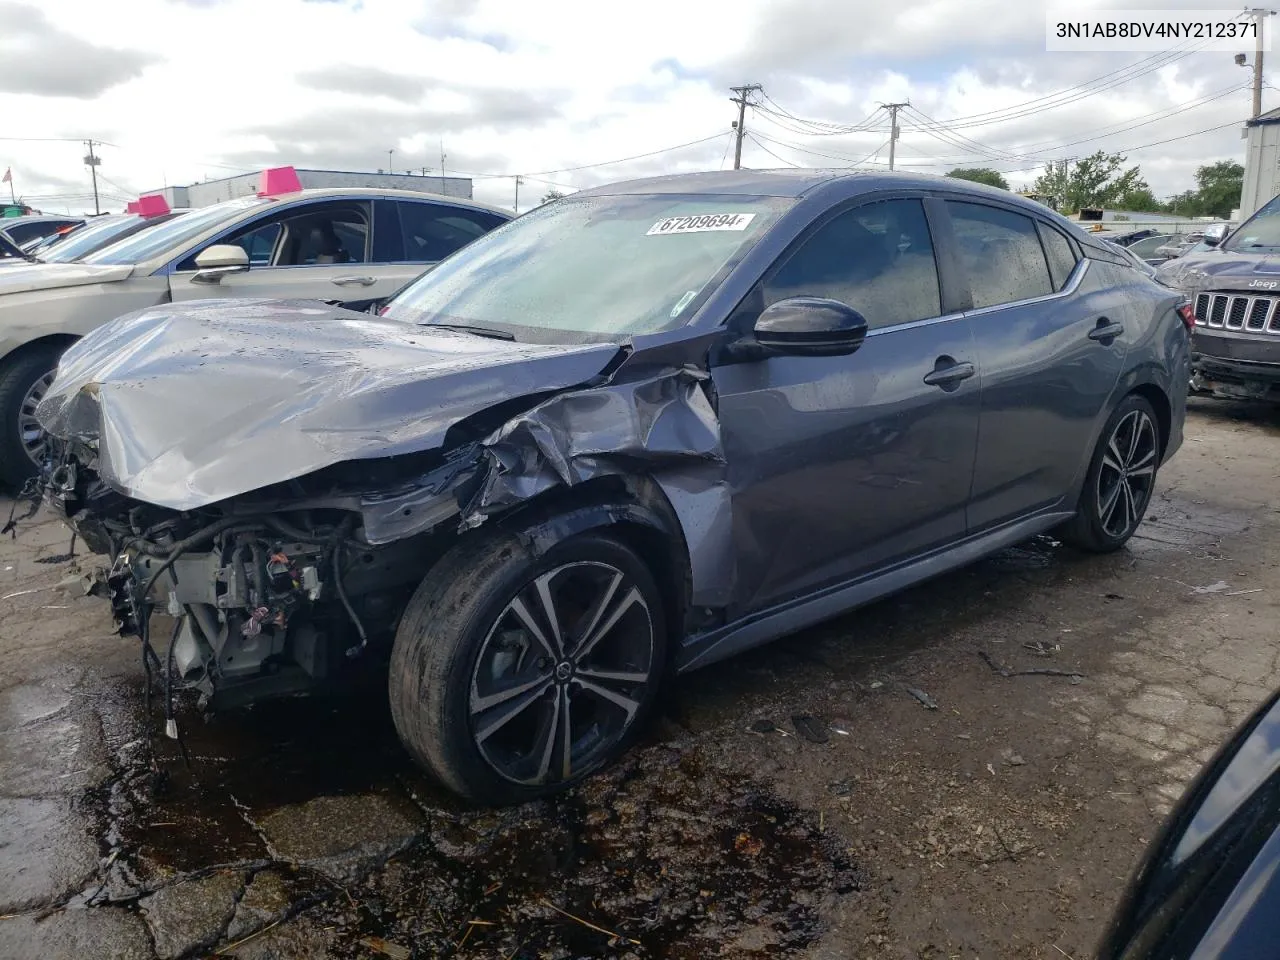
1261 162
247 184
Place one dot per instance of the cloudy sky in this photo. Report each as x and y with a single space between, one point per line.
184 90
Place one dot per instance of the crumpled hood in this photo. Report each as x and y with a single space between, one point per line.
1222 270
50 276
195 403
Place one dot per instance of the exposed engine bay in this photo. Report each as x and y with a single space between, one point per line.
270 597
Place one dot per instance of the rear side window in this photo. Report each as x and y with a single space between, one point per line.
876 258
1001 254
432 231
1061 257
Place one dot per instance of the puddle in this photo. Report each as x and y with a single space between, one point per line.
675 857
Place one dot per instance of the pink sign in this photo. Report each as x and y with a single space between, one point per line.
279 180
152 205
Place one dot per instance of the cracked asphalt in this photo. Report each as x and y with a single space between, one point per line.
1072 699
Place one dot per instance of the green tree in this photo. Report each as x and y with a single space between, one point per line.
1100 180
1217 193
991 178
553 194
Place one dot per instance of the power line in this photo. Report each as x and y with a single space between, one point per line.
1143 146
789 163
602 163
826 156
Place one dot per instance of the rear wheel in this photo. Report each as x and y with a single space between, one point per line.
1121 478
514 676
24 380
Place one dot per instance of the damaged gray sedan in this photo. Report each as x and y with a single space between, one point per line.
630 433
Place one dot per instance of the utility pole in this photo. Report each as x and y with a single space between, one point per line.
92 162
519 180
893 109
740 127
442 163
1259 24
389 153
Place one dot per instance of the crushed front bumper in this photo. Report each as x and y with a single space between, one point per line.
1236 365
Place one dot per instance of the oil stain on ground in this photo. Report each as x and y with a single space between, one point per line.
666 854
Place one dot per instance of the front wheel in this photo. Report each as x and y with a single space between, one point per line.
513 676
24 380
1120 481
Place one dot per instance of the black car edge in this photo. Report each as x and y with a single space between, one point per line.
1209 884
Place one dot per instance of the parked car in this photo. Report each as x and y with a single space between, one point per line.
354 247
1136 261
1146 247
20 230
1234 284
1177 246
93 236
10 250
1132 236
648 426
1209 884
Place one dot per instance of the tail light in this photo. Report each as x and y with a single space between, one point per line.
1188 314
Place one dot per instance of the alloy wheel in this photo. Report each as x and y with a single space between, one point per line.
30 432
562 673
1127 473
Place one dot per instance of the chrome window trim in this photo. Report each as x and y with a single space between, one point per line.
1073 284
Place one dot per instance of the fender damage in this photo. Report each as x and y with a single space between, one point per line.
279 476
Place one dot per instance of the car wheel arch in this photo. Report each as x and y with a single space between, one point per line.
632 508
57 340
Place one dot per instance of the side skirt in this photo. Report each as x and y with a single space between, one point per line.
764 626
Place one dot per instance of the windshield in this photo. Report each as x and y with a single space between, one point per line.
593 269
149 243
1260 232
85 240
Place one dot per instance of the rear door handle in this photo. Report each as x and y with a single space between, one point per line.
354 281
1106 330
945 376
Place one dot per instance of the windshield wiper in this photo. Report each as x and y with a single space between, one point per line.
478 331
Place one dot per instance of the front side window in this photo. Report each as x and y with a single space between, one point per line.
159 240
314 234
1001 253
877 259
433 231
592 269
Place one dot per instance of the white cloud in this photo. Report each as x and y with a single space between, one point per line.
188 89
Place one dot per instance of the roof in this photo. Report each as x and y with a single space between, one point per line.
318 192
1264 119
795 182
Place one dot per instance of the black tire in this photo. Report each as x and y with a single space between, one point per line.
452 671
1122 475
18 376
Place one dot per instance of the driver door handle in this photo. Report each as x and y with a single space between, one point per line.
354 281
946 376
1106 330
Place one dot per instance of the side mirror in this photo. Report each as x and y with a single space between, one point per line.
810 327
220 260
1216 234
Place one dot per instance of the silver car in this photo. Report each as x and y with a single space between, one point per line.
353 247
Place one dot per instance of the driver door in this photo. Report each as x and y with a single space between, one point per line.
840 466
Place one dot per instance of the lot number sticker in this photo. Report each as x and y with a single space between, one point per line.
703 223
